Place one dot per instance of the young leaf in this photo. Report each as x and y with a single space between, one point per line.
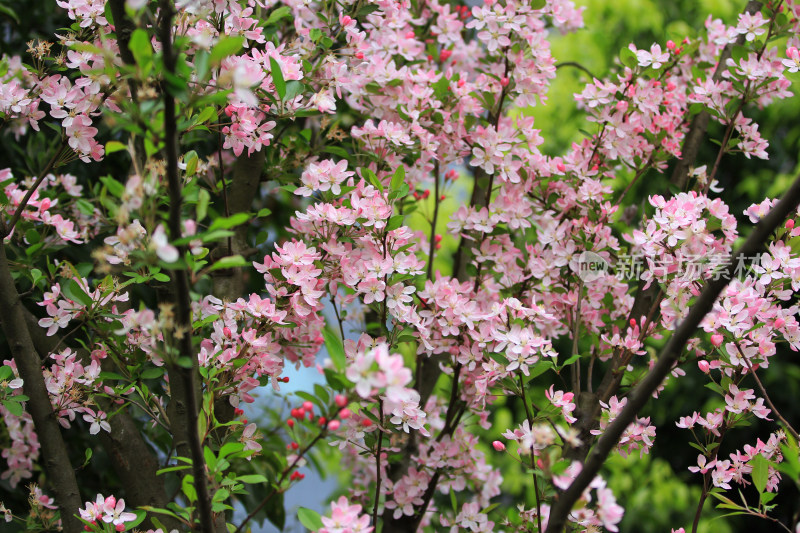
760 472
335 348
277 78
310 519
226 46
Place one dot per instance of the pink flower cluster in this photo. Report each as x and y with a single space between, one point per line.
108 510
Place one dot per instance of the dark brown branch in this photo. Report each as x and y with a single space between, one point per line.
54 449
432 243
754 244
576 65
183 381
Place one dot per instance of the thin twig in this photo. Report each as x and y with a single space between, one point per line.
767 398
6 231
533 461
576 65
378 468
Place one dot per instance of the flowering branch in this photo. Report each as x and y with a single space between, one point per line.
668 357
54 450
6 229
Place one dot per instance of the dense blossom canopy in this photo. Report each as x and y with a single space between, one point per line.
365 117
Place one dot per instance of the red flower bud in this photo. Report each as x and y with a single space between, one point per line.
333 425
308 406
499 446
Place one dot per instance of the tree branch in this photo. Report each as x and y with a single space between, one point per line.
132 457
754 244
183 382
54 449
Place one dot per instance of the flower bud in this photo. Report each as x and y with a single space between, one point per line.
499 446
344 414
334 425
308 406
340 400
704 366
716 339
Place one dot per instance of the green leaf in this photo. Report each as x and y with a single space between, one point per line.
372 179
140 516
113 186
172 469
760 473
278 14
141 49
203 199
114 146
277 77
628 58
73 291
205 115
230 222
232 261
252 478
8 12
229 448
399 177
335 348
309 518
226 46
153 373
540 368
336 150
395 222
32 236
14 408
190 159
